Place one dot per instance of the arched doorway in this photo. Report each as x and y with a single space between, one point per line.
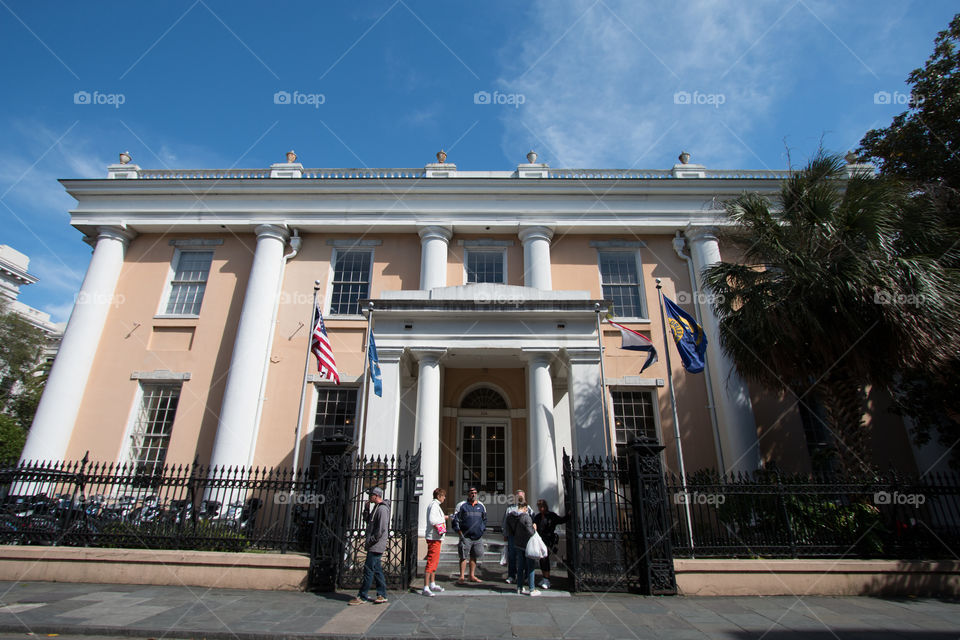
483 443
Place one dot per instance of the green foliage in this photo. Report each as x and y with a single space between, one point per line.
20 345
12 439
841 283
200 536
923 143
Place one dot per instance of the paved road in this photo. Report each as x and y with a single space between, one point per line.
489 611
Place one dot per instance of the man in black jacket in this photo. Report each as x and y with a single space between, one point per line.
378 529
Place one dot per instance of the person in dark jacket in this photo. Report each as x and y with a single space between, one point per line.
470 521
520 527
546 522
378 529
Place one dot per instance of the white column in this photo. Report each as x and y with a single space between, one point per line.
237 430
738 428
586 403
383 413
543 481
427 436
433 256
57 412
536 257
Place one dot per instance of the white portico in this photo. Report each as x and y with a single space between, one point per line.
518 343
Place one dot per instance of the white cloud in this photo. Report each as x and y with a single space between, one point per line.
600 79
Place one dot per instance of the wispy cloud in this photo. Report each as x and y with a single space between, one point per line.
626 72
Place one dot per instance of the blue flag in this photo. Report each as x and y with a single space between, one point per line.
374 367
689 336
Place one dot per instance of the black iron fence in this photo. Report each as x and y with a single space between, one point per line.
321 511
397 477
618 536
770 515
80 503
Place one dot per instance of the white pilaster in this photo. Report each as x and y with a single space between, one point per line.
738 428
427 436
541 467
237 430
383 413
586 403
57 412
433 256
536 257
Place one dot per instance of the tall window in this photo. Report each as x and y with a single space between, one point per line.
151 432
621 283
189 282
485 266
336 413
351 281
634 416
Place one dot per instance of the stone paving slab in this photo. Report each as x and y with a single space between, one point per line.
112 611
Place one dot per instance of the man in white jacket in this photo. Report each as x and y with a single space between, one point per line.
436 528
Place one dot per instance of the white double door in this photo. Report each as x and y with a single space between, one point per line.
485 464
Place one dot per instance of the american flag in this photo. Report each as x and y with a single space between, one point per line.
320 347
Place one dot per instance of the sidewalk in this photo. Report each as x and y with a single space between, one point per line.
493 612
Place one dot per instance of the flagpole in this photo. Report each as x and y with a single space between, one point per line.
303 389
676 420
603 386
366 384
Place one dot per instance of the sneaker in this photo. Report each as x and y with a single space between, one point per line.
380 600
545 584
356 601
427 592
535 593
437 588
510 580
524 590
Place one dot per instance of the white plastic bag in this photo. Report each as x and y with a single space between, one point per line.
503 555
535 547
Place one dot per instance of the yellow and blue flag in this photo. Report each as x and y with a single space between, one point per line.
689 336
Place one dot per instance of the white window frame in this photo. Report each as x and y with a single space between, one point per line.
653 391
331 272
126 453
638 261
481 249
168 285
317 387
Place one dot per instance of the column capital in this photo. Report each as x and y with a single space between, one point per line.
435 232
390 355
272 231
583 356
538 232
540 355
427 355
701 233
116 233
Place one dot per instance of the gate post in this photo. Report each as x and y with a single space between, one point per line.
650 512
327 543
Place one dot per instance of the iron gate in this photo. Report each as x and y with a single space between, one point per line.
617 536
340 522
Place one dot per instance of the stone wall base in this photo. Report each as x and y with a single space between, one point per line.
709 577
270 571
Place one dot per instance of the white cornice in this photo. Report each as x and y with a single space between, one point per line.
348 206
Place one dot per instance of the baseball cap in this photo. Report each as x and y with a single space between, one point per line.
375 491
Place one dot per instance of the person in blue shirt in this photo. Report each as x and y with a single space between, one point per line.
470 521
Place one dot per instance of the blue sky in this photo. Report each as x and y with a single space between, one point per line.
592 83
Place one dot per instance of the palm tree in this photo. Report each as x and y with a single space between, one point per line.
840 286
